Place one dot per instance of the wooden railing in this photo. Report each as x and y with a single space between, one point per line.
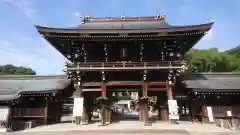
27 112
221 111
125 65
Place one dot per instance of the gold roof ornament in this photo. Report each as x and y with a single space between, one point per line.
86 19
159 16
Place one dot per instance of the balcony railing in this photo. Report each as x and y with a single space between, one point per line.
125 65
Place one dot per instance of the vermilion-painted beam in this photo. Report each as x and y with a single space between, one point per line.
130 90
156 89
92 84
130 83
125 83
156 83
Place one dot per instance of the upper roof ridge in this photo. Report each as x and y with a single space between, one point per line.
88 19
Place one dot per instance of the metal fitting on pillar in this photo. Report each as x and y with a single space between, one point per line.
144 75
103 76
79 84
78 76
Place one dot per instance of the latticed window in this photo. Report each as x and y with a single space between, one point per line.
123 53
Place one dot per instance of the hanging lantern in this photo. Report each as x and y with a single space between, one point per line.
69 56
178 55
76 55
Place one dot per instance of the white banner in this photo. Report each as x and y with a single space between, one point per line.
173 109
229 113
78 106
4 113
210 114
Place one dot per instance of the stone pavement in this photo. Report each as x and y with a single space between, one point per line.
76 133
121 133
128 127
131 126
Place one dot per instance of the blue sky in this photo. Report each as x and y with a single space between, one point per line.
20 44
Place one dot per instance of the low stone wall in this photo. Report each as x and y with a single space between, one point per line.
227 123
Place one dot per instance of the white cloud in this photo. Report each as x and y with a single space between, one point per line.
25 6
12 55
77 14
43 58
24 38
75 18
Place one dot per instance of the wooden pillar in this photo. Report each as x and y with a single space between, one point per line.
90 106
139 105
107 109
146 102
192 108
158 106
144 89
141 110
46 111
203 109
86 108
108 114
57 107
143 104
105 112
105 119
161 107
58 111
113 114
169 92
104 90
169 97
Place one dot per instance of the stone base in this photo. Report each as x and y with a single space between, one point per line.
147 124
174 121
84 123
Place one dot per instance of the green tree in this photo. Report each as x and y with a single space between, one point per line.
234 51
211 60
13 70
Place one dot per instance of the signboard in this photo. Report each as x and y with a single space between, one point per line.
78 106
210 114
4 113
229 113
173 109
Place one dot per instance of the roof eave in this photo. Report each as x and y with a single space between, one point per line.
205 27
214 90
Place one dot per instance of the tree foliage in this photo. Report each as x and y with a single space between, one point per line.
212 60
234 51
13 70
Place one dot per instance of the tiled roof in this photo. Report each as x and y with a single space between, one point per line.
209 75
125 25
12 86
212 81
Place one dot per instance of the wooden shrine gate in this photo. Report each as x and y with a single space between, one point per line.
102 92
